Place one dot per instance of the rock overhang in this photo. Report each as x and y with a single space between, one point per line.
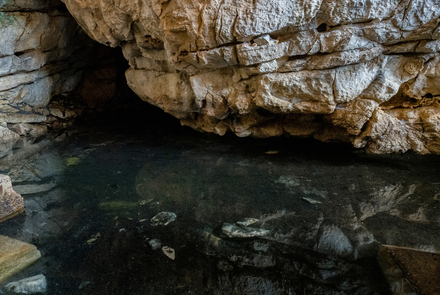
362 72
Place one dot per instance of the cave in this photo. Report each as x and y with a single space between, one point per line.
219 147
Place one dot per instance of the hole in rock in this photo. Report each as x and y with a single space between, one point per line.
18 54
322 28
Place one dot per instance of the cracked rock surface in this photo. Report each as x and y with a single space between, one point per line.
363 72
50 71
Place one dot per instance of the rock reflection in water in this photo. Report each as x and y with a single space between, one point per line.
297 222
35 169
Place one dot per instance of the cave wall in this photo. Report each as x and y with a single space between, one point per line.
364 72
50 70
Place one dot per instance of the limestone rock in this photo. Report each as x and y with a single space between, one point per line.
15 255
32 285
44 55
7 135
335 70
11 203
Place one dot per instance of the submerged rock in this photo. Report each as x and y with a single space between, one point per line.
118 205
163 218
410 271
334 242
27 189
247 221
169 252
155 244
15 255
235 231
32 285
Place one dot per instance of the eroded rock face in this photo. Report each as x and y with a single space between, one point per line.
15 255
50 71
11 203
35 62
364 72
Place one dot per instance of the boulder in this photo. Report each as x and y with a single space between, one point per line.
11 203
15 256
333 70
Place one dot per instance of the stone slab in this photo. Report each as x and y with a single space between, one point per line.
15 255
410 271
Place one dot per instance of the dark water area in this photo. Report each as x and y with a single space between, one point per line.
252 216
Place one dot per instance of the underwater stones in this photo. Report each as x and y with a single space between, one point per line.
35 284
11 203
334 242
15 255
410 271
169 252
155 244
235 231
27 189
163 218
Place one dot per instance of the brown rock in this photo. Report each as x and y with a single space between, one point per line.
410 270
11 203
15 255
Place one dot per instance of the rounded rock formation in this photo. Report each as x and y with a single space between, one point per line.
359 71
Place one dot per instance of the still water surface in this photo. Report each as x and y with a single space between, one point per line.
278 216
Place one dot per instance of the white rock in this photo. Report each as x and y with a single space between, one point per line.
32 285
216 65
163 218
334 242
155 244
169 252
235 231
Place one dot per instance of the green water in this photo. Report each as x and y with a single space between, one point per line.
327 209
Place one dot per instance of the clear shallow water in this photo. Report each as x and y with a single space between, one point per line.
324 211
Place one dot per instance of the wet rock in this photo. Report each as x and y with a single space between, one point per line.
234 231
247 221
46 218
83 285
224 266
94 238
11 203
118 205
32 285
15 256
163 218
258 260
27 189
410 271
334 242
169 252
155 244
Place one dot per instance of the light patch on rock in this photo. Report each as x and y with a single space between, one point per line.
163 218
32 285
169 252
333 241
